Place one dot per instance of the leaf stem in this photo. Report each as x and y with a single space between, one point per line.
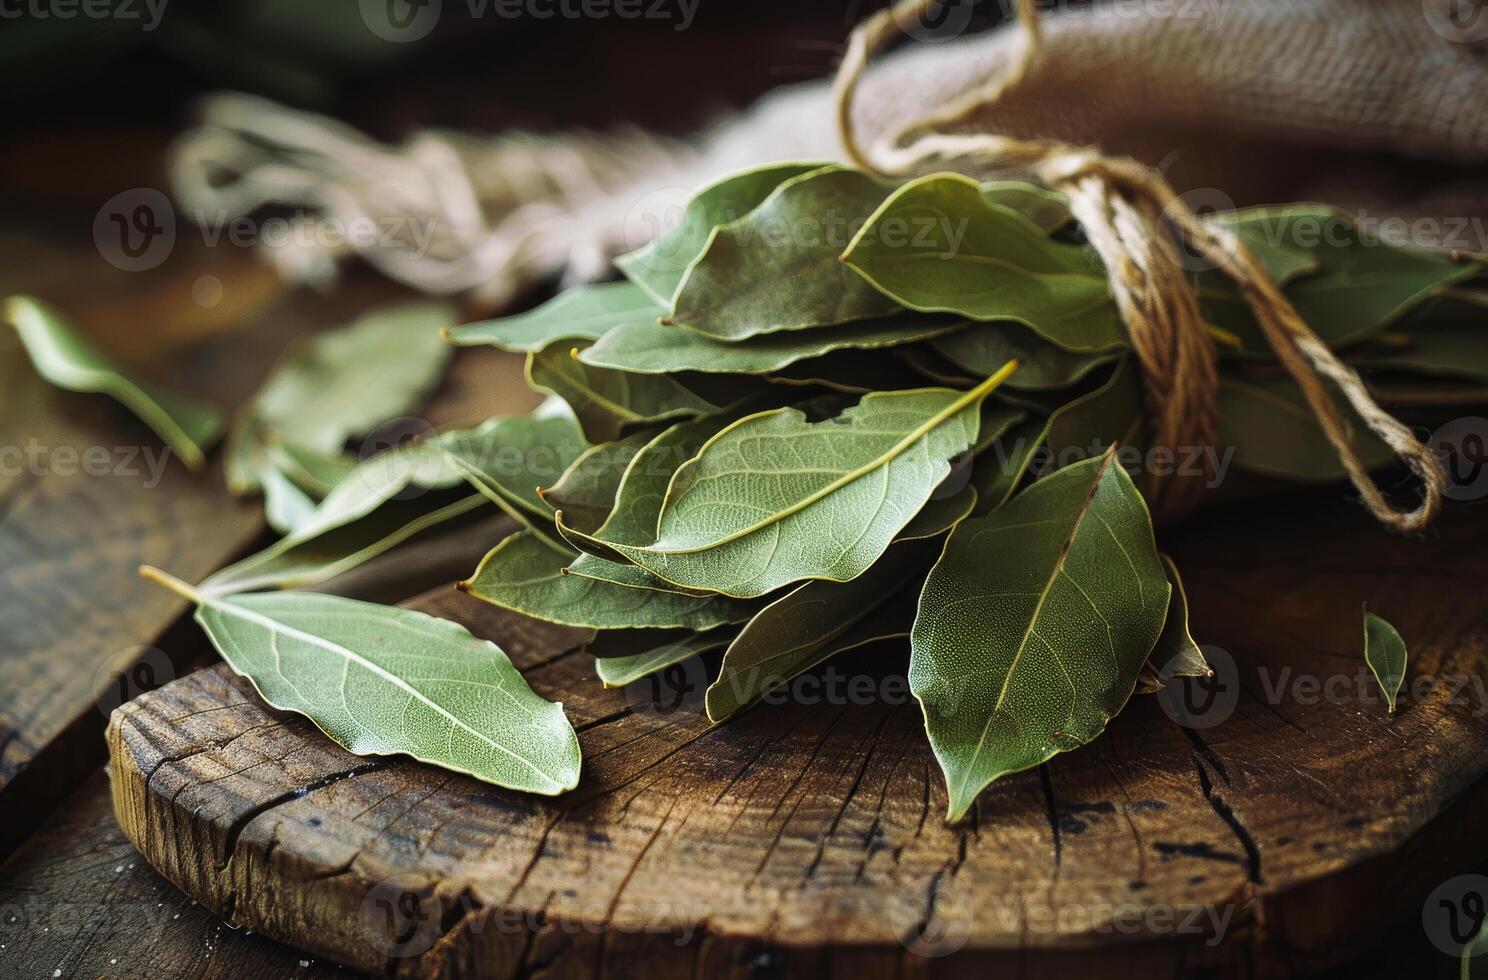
168 580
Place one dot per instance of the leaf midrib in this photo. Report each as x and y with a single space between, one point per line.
970 398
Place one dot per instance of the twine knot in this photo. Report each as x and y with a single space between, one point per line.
1137 224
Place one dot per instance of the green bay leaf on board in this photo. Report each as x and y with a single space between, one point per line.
1034 625
586 490
643 485
651 348
658 267
608 403
339 384
1175 654
815 621
525 573
618 670
775 498
984 261
381 680
1384 652
578 314
63 357
777 267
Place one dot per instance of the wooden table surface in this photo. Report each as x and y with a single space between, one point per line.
803 839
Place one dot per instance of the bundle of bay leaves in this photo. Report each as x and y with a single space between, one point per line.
819 412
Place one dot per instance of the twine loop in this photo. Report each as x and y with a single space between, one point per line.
1136 223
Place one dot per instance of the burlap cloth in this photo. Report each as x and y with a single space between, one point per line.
1380 106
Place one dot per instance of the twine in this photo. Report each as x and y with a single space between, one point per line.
1136 222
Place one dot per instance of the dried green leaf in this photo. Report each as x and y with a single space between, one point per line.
661 652
608 403
340 384
981 260
775 498
776 268
1384 652
651 348
816 621
658 268
578 314
67 360
381 680
1034 625
525 573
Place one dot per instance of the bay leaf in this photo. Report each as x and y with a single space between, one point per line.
659 267
1448 352
651 348
1034 625
380 680
607 403
981 260
815 621
1274 432
643 485
984 348
380 504
66 359
316 473
1362 286
525 573
586 490
1385 653
1046 208
776 268
577 314
1001 466
310 555
1175 654
339 384
775 498
509 457
618 671
286 506
1274 234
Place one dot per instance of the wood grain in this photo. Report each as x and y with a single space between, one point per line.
77 898
806 838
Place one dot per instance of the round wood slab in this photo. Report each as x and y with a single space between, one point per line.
807 837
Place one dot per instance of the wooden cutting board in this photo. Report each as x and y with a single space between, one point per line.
807 838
